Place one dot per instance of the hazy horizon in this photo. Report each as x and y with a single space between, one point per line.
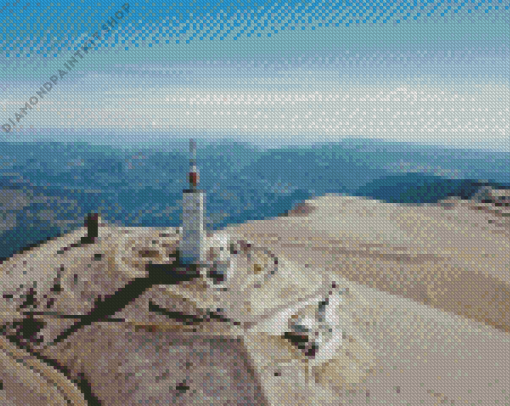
164 143
266 74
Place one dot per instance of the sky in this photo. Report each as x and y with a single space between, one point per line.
271 73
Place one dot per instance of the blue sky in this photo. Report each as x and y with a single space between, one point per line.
259 71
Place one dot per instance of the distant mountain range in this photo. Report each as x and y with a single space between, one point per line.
47 188
419 188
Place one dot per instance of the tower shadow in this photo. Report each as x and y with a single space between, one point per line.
158 274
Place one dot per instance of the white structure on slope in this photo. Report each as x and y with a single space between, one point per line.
211 252
192 244
316 327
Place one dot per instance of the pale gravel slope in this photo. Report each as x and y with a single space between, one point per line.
427 287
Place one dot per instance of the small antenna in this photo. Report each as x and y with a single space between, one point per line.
193 150
194 176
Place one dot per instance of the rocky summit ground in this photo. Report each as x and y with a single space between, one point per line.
424 318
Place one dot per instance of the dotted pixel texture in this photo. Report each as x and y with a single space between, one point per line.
336 232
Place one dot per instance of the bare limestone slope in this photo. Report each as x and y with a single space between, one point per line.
26 380
456 260
423 320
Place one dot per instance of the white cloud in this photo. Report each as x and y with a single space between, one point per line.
408 113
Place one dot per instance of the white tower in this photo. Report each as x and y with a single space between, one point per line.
192 243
